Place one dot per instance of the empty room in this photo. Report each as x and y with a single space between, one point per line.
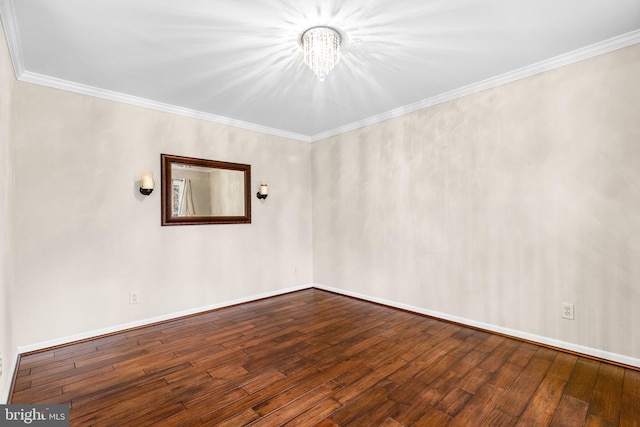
320 213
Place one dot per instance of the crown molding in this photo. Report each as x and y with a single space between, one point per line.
600 48
7 16
56 83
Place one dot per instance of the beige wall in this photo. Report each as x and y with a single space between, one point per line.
85 236
497 207
7 345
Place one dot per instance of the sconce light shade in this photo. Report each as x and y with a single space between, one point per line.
263 192
146 183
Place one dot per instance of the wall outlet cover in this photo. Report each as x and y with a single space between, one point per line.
134 297
568 311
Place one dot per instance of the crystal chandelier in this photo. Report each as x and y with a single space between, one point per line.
321 46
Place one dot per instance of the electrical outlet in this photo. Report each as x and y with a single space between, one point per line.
568 311
134 297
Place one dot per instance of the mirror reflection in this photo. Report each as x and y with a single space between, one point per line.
199 191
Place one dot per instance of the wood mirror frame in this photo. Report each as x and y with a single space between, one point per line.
239 191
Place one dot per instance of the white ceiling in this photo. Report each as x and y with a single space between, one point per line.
239 61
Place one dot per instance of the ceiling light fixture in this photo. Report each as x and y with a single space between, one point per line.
321 46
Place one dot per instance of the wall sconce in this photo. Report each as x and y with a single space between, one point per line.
263 192
146 183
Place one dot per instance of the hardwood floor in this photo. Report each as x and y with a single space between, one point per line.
313 358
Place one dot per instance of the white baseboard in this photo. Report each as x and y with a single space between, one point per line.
8 371
11 367
149 321
601 354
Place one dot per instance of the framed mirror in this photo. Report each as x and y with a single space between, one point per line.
199 191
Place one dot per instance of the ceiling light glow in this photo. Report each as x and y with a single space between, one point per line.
321 47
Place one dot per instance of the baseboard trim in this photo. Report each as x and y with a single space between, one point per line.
90 335
593 353
11 373
590 352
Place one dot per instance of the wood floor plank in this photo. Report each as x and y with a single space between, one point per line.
98 411
363 408
375 416
607 395
563 365
264 381
138 387
454 401
148 415
499 356
444 364
409 413
630 412
314 414
317 358
479 407
542 406
474 380
208 405
60 377
441 387
523 354
291 404
506 375
49 394
519 393
583 379
497 418
352 391
243 418
303 388
433 417
571 412
201 405
327 422
408 390
390 422
352 375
